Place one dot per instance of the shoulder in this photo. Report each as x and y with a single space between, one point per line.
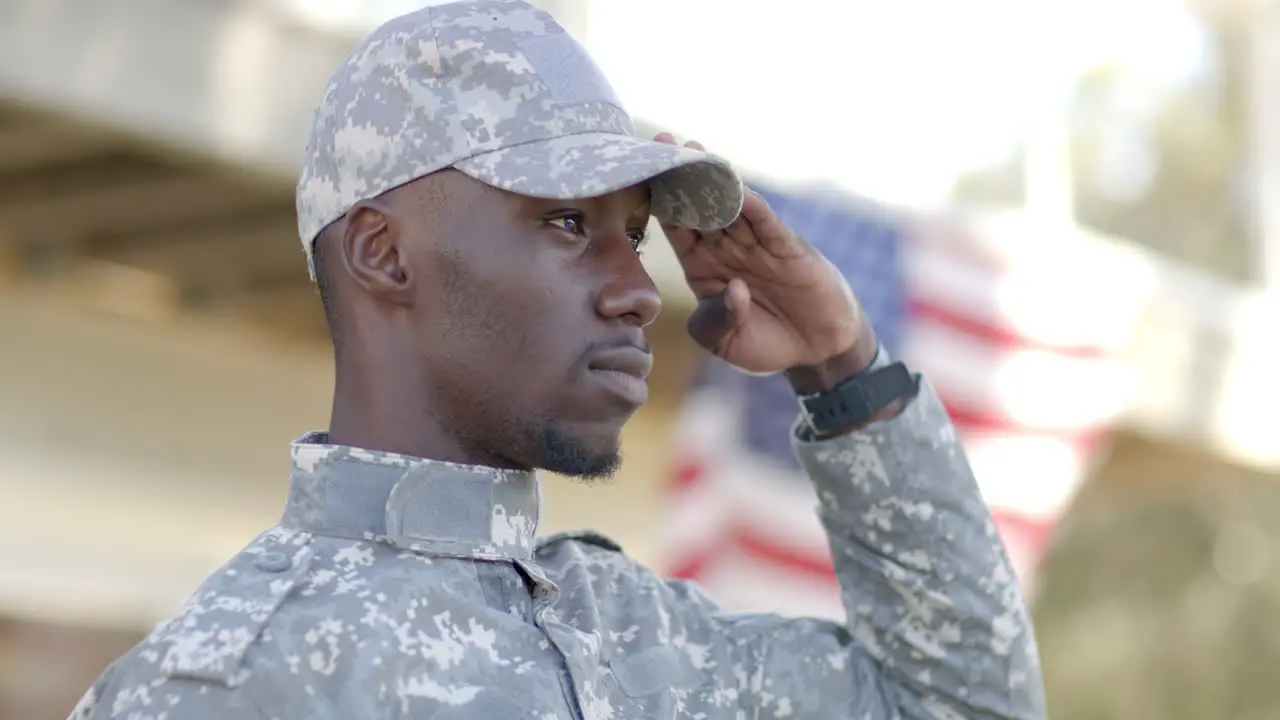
619 576
200 655
214 632
595 552
589 556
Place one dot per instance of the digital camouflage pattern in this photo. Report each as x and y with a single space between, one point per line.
397 587
498 90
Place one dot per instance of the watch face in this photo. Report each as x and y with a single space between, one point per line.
858 399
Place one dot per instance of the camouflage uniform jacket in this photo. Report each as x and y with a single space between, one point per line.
396 587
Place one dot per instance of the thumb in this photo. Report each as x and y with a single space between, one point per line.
718 317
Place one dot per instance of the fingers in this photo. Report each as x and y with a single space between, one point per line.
741 233
768 229
738 298
717 317
682 239
756 225
756 211
669 139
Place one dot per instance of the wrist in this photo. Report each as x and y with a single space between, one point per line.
826 375
862 358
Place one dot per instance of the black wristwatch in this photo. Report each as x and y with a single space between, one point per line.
857 400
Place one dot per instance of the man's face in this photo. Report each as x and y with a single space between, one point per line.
530 318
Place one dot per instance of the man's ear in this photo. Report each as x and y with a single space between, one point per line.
375 254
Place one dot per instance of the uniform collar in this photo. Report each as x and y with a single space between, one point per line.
428 506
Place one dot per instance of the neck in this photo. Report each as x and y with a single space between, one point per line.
377 408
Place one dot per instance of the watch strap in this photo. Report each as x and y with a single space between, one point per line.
856 401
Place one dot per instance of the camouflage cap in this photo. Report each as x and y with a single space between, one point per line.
498 90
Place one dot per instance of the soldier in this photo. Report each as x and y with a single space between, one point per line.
472 206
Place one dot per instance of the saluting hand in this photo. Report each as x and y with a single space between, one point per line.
767 300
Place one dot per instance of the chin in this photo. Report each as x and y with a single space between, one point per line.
577 452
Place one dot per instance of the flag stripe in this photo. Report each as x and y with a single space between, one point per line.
1031 383
1031 389
797 561
983 331
989 421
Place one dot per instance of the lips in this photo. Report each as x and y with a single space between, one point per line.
623 372
627 360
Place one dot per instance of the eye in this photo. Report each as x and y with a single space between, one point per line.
639 238
571 224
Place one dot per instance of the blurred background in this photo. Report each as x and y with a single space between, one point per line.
1065 212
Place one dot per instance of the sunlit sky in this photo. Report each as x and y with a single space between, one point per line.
888 99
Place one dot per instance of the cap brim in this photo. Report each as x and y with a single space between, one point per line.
689 188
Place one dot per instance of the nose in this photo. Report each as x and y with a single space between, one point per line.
628 293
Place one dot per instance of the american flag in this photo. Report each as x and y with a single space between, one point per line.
1031 388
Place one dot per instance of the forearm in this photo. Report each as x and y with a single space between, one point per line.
929 592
